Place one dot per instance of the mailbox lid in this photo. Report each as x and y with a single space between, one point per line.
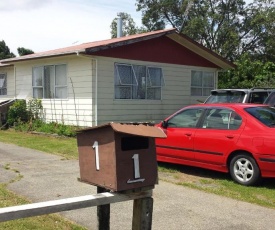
133 129
139 130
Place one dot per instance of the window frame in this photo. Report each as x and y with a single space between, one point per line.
134 87
53 82
231 120
3 87
179 119
202 87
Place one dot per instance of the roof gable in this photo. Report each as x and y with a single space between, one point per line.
161 49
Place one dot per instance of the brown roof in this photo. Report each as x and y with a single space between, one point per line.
115 42
94 46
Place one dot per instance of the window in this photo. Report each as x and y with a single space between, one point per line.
265 115
258 97
138 82
185 119
49 81
201 83
222 119
3 84
226 96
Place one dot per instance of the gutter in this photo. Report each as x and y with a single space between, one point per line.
34 57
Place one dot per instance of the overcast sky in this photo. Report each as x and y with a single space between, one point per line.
42 25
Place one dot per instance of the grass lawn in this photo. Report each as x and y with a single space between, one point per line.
62 146
219 183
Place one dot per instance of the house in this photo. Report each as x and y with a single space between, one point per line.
137 78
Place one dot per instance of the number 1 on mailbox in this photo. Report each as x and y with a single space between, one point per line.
136 170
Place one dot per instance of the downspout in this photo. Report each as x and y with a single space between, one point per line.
96 86
14 72
96 93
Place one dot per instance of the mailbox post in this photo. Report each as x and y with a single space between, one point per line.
121 158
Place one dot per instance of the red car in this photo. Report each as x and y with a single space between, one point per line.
234 138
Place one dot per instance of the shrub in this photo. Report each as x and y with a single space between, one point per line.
18 112
26 116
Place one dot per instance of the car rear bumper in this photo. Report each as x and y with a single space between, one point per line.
267 165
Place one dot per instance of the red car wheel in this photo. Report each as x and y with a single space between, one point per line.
244 170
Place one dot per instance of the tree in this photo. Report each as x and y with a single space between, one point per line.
128 26
5 51
227 27
263 23
156 14
249 73
23 51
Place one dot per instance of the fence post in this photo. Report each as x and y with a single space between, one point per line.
103 213
142 214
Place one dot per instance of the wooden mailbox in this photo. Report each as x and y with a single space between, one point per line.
118 156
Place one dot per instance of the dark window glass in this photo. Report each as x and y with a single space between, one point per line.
265 115
258 97
186 118
222 119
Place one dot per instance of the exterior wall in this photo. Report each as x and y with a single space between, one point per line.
77 109
175 94
91 100
9 70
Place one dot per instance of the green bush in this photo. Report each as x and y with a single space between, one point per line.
25 117
50 128
18 112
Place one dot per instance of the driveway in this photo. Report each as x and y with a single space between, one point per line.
42 177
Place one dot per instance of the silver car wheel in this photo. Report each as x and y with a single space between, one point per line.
243 170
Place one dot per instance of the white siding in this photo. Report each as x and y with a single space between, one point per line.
175 94
72 112
77 109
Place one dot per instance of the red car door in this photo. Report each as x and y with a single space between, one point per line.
180 130
218 136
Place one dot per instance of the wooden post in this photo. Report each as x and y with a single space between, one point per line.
103 213
142 214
